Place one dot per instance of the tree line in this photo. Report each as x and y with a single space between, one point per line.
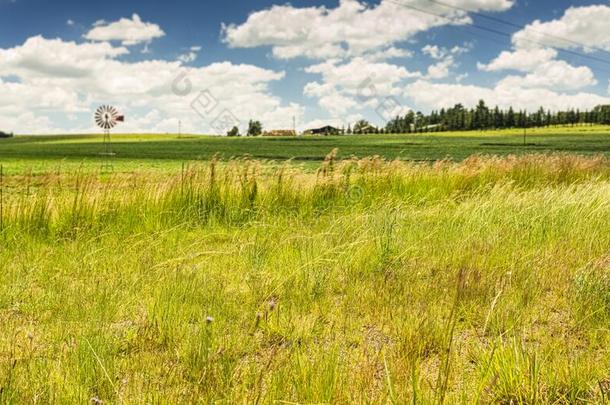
460 118
483 117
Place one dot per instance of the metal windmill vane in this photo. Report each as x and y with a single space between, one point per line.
107 117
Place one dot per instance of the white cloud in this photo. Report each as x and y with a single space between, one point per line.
440 70
128 31
28 123
351 29
70 23
458 50
556 74
445 59
436 95
50 78
460 78
534 52
359 74
190 56
330 98
389 53
579 27
524 60
352 84
40 58
433 51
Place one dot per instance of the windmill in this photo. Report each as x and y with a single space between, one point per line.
107 117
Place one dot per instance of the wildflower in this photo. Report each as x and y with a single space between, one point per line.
272 305
209 319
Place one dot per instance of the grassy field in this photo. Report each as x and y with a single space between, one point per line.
484 280
135 152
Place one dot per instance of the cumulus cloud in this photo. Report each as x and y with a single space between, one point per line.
556 74
579 27
191 55
534 54
128 31
40 58
50 77
433 51
524 60
347 85
440 70
351 29
389 53
43 79
445 59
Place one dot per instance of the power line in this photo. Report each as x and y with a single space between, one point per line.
498 32
519 26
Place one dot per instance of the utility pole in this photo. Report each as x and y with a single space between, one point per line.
525 128
1 198
294 125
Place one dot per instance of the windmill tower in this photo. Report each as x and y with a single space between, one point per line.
107 117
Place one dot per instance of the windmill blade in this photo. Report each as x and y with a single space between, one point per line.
107 117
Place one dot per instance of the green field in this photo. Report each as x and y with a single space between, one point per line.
132 151
485 279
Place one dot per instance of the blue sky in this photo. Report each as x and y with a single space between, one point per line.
210 65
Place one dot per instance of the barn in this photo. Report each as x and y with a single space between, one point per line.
326 130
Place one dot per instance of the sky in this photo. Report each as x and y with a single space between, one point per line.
205 66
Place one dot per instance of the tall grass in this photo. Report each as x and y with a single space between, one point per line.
366 281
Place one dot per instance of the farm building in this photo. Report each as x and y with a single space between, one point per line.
280 132
326 130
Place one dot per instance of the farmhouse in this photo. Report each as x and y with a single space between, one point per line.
326 130
280 132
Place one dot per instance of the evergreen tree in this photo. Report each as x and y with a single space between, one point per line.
482 117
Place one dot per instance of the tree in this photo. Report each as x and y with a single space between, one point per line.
233 132
602 114
510 118
481 116
255 128
362 127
